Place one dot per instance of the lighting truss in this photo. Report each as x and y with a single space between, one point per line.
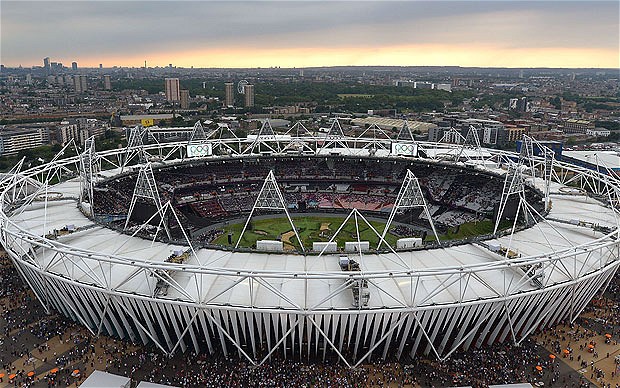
409 197
270 198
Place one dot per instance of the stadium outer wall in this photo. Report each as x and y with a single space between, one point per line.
257 332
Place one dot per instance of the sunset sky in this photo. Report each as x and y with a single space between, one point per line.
306 34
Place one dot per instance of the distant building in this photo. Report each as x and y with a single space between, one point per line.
490 132
172 89
184 97
423 85
446 87
13 140
137 119
47 64
229 90
107 83
577 126
518 104
80 129
74 66
80 83
249 96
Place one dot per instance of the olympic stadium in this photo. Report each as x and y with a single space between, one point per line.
312 246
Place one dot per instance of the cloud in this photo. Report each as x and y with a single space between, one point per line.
84 30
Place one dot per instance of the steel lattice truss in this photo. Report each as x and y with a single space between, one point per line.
299 305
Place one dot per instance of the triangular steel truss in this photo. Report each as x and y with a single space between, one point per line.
298 130
335 136
266 129
514 184
146 191
270 198
544 163
89 167
135 145
198 133
471 141
267 139
410 196
379 139
405 133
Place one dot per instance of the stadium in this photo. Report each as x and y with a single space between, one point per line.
355 247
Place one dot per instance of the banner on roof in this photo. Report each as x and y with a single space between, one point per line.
147 122
198 150
405 149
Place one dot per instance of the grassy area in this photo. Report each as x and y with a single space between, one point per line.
310 229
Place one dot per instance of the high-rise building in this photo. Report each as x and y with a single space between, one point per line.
107 83
80 83
230 94
46 64
29 79
184 99
172 89
100 66
249 96
74 66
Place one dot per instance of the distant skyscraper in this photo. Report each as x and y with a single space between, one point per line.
77 85
172 89
107 83
184 99
100 66
80 83
29 79
301 72
46 64
74 66
249 96
230 93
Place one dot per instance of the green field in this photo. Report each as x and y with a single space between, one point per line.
313 229
310 229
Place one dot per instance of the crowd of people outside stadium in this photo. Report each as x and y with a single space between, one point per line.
46 350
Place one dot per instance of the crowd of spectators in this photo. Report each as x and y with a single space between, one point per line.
54 348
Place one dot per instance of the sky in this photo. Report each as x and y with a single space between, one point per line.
517 34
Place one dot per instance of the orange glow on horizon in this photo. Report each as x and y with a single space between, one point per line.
415 55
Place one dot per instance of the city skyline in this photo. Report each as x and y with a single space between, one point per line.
569 34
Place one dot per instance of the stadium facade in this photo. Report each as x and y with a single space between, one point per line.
432 300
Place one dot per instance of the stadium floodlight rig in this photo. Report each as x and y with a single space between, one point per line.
545 166
146 191
198 133
135 146
471 141
270 198
266 141
335 137
299 141
409 197
90 165
405 133
379 138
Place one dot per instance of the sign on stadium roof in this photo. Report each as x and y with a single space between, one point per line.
199 150
404 149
